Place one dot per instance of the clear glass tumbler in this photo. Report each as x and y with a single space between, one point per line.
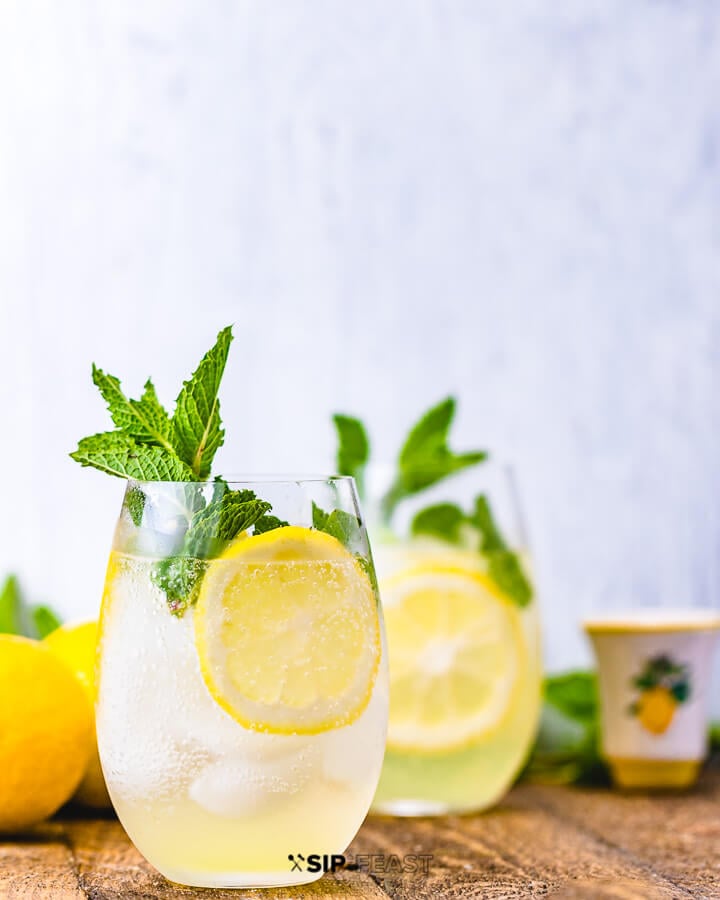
464 640
242 698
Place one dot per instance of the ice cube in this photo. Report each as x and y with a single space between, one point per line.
237 786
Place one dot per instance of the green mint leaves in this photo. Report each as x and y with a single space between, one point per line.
19 617
448 522
211 529
117 453
503 565
353 448
196 428
340 524
147 444
443 520
426 458
144 420
150 445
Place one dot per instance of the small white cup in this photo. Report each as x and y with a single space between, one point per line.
654 670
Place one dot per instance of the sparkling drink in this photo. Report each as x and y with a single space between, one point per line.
247 732
464 641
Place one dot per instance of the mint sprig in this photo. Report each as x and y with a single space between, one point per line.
150 445
145 419
197 431
449 522
442 520
117 453
426 458
353 448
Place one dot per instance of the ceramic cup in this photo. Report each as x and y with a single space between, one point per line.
654 670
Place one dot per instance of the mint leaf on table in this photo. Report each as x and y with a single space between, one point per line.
443 520
11 607
21 618
504 566
426 457
45 620
144 419
567 745
116 453
195 426
353 448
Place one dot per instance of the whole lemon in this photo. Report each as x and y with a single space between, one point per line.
75 645
46 732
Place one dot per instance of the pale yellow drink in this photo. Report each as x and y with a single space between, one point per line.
465 680
207 800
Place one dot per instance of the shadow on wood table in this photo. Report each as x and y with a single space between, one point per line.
554 842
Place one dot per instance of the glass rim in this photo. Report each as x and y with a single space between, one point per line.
259 478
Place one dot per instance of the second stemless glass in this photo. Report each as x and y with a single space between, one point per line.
464 642
242 700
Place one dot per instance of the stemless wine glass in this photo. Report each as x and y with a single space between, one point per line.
242 697
463 638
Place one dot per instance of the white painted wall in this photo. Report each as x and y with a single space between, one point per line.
518 202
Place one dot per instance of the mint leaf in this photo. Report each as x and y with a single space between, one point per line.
211 530
221 521
135 501
443 520
11 607
195 427
45 620
268 523
575 695
340 524
353 448
144 419
426 457
119 454
504 566
179 578
16 617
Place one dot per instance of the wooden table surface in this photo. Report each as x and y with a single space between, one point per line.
559 842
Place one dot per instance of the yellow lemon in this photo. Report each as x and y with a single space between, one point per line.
46 732
456 652
75 645
655 709
287 632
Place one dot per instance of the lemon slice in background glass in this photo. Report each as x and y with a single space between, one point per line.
456 654
287 632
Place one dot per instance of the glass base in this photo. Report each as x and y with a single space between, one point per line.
667 774
240 879
414 808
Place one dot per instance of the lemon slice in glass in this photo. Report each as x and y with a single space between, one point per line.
456 653
287 632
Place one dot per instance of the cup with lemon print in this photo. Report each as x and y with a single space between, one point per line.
654 672
461 616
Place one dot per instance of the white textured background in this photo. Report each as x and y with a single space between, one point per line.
518 202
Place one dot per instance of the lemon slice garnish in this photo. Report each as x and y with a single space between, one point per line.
456 654
287 632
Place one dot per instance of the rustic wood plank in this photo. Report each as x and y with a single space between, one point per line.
39 865
517 850
561 843
109 867
678 836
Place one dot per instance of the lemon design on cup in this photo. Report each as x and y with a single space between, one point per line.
663 685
